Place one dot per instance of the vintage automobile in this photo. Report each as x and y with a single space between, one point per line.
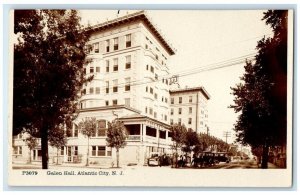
153 160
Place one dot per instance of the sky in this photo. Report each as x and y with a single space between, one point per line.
204 38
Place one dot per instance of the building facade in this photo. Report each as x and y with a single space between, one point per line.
129 64
189 107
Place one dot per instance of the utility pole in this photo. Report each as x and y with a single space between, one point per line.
207 130
226 134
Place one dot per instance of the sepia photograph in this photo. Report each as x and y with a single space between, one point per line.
169 98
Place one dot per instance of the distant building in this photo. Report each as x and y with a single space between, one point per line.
189 107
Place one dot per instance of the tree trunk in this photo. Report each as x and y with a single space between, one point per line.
88 151
44 140
265 157
57 157
117 157
29 156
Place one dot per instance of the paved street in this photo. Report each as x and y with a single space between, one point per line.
242 164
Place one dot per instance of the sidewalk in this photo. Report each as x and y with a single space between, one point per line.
65 166
272 166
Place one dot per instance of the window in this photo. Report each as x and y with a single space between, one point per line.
97 69
115 68
75 150
116 44
155 115
190 99
190 110
75 130
166 117
128 40
172 111
127 84
151 90
127 102
180 100
106 103
101 151
115 85
179 121
91 69
96 47
97 90
190 121
172 100
115 102
156 76
152 69
107 86
146 46
107 65
155 95
151 111
83 92
128 62
146 109
101 128
90 48
147 67
107 45
18 150
156 56
93 150
62 150
108 152
179 110
146 88
91 90
166 100
171 121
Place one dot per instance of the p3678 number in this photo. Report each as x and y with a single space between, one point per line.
29 172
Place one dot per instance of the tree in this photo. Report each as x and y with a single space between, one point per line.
49 61
31 142
116 136
57 139
88 128
191 139
261 98
177 135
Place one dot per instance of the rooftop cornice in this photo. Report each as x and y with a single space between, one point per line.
201 89
140 15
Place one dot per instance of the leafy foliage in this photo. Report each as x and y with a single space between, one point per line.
31 142
57 137
116 136
178 135
191 139
88 126
261 98
48 70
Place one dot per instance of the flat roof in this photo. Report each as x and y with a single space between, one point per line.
192 89
140 15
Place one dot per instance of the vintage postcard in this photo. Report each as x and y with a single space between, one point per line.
156 98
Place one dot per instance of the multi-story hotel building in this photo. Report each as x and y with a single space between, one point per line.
129 63
189 107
